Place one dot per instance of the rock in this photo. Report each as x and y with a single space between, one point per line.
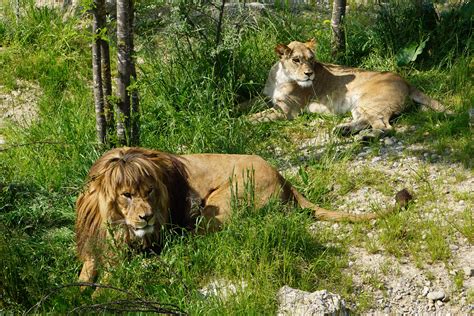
436 295
388 141
468 272
222 288
425 291
299 303
376 159
453 247
402 198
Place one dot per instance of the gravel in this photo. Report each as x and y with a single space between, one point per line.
406 286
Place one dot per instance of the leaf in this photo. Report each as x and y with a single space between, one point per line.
410 53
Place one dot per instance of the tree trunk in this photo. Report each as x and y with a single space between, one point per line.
107 85
101 123
338 38
135 137
123 80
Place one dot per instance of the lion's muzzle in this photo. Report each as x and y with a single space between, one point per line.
141 232
144 225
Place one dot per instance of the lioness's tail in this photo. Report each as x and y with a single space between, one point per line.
326 215
421 98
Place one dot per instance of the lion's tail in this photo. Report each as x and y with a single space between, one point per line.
326 215
421 98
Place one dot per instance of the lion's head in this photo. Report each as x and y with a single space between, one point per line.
133 189
297 60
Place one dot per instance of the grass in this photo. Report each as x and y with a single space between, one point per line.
188 103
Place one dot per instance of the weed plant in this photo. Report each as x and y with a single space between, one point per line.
189 87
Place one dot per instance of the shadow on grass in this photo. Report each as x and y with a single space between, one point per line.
446 135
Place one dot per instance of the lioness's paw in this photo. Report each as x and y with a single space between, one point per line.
343 129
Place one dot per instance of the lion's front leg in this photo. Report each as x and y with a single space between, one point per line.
285 109
89 271
267 115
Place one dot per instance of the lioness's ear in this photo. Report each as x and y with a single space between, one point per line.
310 44
281 50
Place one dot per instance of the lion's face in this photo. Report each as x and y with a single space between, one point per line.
143 206
297 60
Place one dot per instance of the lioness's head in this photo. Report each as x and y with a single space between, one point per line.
131 190
297 61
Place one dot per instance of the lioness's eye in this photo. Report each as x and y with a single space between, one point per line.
128 195
149 191
296 60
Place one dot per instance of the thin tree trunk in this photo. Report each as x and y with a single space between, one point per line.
123 80
218 39
101 123
106 72
107 85
135 137
219 24
338 38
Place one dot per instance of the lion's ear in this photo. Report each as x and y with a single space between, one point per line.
310 44
281 50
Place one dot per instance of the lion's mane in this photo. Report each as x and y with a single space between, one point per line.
123 167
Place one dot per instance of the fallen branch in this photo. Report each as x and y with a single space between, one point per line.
132 304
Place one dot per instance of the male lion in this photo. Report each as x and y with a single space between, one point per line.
298 82
132 193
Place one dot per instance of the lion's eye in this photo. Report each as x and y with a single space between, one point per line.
296 60
128 195
149 191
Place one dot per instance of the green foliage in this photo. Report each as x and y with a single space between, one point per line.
402 25
410 53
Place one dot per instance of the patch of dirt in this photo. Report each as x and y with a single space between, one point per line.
18 106
442 191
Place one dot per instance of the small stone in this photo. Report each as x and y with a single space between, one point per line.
402 198
376 159
439 303
425 291
388 141
468 272
453 247
436 295
461 202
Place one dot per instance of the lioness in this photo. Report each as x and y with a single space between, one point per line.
298 82
133 193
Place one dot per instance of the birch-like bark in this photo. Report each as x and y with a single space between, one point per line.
123 80
338 36
107 85
100 121
135 137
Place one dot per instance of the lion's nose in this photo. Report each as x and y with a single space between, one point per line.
146 217
309 73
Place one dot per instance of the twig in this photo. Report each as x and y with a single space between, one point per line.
134 304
